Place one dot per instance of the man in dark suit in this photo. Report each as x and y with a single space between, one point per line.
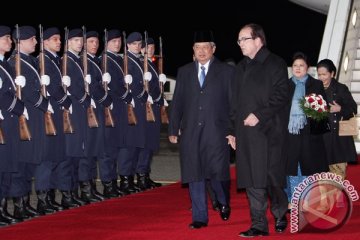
199 117
261 92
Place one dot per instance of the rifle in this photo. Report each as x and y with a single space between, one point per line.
24 131
150 117
49 123
68 127
130 109
92 119
109 120
163 112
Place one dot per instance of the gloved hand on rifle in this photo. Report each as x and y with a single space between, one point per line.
1 116
162 78
147 76
50 108
93 103
26 114
132 103
70 109
166 104
106 77
150 100
88 78
128 79
20 81
66 81
45 80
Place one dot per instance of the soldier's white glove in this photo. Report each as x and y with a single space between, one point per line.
66 81
162 78
1 82
166 103
1 116
111 106
45 80
70 109
128 79
20 80
106 77
147 76
150 100
26 114
50 108
93 103
88 78
132 103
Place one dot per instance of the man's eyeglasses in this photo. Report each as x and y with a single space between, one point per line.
243 39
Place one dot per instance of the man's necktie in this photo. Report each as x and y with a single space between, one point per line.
202 76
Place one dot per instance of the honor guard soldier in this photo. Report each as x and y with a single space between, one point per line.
30 152
57 170
97 135
115 137
135 134
152 128
77 143
10 109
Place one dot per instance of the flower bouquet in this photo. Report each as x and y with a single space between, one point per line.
316 109
314 106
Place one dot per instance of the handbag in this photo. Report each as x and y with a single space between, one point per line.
348 127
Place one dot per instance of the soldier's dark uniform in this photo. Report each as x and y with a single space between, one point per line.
30 152
115 137
10 108
97 135
135 134
152 131
56 172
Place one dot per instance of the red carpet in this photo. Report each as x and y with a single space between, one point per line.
159 214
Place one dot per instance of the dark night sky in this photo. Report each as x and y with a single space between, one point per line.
288 27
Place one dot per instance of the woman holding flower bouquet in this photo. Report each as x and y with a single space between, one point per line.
305 154
339 149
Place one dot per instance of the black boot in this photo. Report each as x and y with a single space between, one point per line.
86 193
95 192
151 182
117 188
77 199
127 185
110 190
32 212
5 217
142 182
67 200
52 201
19 209
43 204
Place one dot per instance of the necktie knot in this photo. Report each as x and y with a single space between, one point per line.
202 76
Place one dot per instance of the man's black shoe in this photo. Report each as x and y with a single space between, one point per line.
197 225
252 232
215 205
225 211
281 224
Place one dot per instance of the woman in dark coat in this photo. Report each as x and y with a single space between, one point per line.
305 154
339 149
311 154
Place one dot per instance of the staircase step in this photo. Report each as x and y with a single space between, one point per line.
356 74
